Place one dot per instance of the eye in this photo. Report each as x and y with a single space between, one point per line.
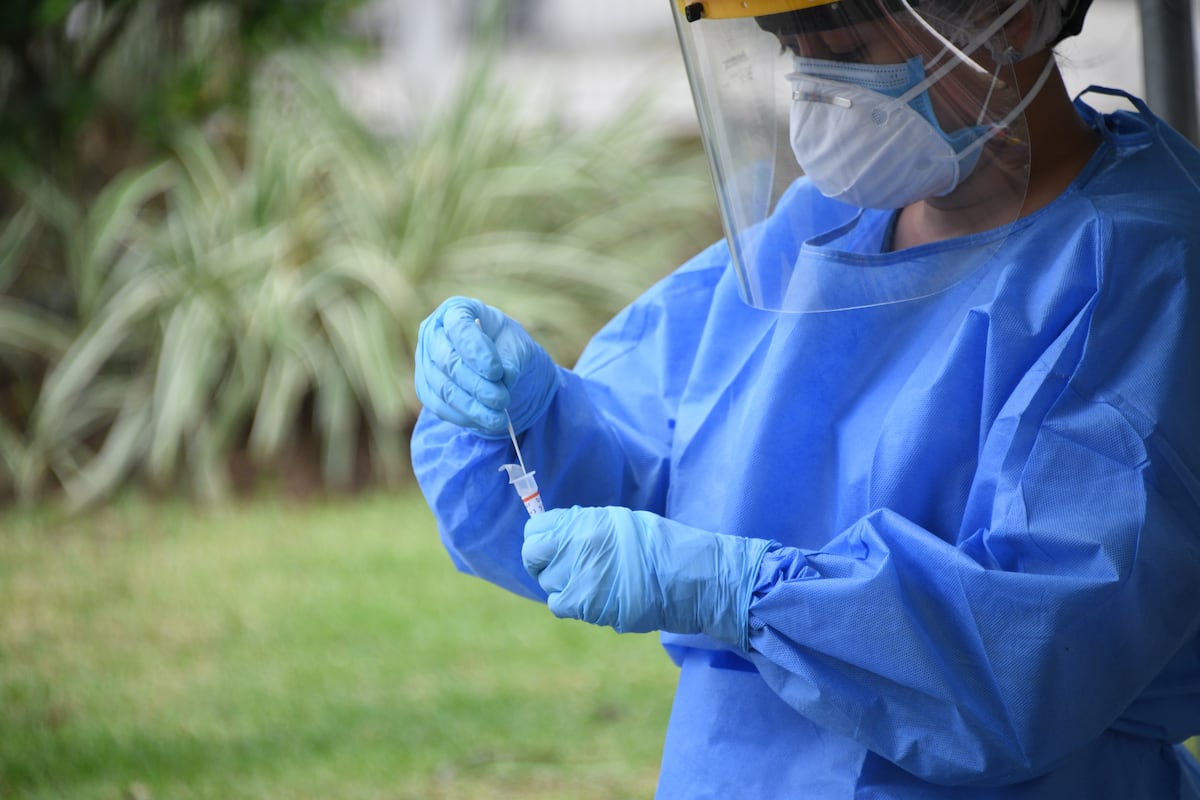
858 55
818 46
789 44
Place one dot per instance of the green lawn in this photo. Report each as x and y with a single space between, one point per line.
327 650
319 650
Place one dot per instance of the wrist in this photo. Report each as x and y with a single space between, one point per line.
743 557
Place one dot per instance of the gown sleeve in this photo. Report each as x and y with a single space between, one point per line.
605 440
1068 605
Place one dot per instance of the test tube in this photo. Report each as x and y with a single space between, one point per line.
526 487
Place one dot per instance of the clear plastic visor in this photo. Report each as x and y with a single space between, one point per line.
863 152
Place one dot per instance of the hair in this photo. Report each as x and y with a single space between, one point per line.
1071 22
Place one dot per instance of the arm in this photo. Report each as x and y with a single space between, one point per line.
577 455
1069 590
988 654
605 437
990 661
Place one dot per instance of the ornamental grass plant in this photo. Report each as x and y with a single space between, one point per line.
261 286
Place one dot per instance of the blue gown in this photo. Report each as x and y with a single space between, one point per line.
989 500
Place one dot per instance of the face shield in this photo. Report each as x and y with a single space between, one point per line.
822 119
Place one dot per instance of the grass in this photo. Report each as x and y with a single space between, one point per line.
317 650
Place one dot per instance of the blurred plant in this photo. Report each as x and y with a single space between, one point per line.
92 88
225 293
88 85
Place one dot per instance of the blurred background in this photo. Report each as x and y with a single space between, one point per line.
221 222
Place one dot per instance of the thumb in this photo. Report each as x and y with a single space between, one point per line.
549 521
538 551
463 323
542 541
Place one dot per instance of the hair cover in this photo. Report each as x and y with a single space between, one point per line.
1054 20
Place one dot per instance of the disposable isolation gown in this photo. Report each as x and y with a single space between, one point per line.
990 501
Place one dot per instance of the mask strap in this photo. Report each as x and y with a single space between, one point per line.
988 99
963 54
1017 110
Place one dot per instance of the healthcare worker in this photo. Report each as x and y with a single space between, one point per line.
907 469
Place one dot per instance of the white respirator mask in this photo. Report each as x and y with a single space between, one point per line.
791 108
867 135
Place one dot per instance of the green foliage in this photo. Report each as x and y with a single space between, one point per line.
89 85
198 268
259 285
91 89
318 650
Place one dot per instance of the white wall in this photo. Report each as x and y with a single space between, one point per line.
588 59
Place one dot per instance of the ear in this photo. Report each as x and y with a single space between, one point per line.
1019 31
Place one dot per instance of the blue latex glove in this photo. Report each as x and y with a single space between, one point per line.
469 373
636 572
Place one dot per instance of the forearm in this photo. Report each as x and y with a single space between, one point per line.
964 672
578 454
479 518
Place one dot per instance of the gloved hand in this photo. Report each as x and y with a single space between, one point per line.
469 373
636 572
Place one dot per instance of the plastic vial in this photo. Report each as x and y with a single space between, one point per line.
526 487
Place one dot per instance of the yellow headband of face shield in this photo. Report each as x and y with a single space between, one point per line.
731 9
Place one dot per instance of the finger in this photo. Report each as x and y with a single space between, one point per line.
551 520
551 553
514 349
472 341
445 356
583 603
456 406
492 320
538 552
562 607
